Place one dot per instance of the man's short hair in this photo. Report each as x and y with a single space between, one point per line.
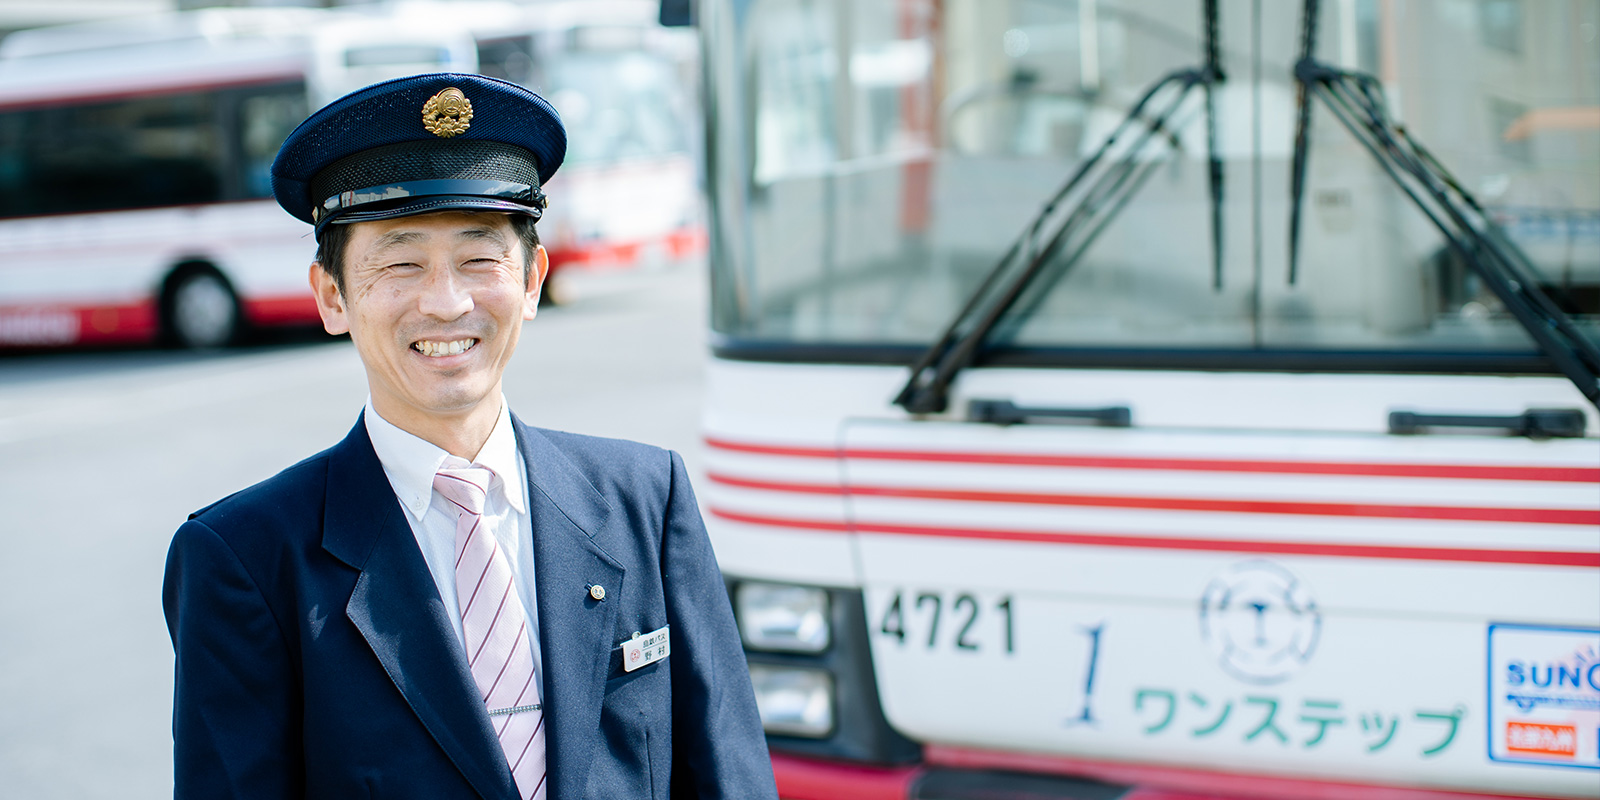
335 238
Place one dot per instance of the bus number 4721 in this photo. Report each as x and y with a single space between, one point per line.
925 611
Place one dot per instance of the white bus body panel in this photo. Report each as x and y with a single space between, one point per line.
1261 578
629 201
123 256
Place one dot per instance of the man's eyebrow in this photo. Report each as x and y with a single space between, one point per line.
483 234
396 239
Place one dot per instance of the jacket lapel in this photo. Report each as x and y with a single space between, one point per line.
397 608
575 630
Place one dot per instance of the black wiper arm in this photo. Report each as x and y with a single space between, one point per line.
1214 76
1302 130
1101 188
1356 100
1100 198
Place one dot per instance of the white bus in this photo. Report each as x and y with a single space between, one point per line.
135 197
1171 524
628 195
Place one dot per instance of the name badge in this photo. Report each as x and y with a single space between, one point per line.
645 648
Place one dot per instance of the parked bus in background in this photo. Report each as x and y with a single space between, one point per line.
135 202
628 194
1154 509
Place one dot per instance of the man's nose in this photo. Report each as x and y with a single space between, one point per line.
444 295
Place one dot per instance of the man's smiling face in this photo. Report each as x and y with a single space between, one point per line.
434 304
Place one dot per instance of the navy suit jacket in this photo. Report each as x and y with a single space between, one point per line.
316 660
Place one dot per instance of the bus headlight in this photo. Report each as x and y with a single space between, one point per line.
776 617
797 701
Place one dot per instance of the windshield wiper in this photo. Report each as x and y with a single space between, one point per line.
1356 100
1100 188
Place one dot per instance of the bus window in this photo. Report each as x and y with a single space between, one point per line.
876 208
795 64
618 105
139 152
266 117
627 190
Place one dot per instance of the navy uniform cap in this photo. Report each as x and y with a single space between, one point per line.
425 143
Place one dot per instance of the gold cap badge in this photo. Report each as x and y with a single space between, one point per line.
447 113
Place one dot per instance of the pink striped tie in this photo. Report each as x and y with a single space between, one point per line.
496 628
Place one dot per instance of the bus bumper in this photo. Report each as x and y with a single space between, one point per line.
966 777
808 779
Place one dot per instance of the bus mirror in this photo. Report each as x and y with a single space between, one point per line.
677 13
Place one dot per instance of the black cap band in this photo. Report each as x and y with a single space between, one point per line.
401 193
427 175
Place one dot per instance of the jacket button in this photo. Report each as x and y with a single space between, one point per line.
597 591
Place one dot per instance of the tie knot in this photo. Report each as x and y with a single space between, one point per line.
467 487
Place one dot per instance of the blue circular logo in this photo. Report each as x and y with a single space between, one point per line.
1260 621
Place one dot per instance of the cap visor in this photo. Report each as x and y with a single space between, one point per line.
429 205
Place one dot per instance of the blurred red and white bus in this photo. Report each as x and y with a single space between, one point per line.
135 199
628 194
1119 517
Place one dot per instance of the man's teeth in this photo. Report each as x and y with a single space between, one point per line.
435 349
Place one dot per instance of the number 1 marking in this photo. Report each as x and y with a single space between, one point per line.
1086 717
1005 605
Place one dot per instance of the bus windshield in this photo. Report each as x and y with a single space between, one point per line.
873 162
621 102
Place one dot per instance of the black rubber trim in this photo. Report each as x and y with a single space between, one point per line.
939 783
1338 361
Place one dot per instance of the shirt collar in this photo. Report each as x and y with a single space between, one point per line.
411 461
501 454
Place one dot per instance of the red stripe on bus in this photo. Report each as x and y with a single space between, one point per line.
1549 516
299 309
1559 558
1461 471
1153 781
676 244
58 325
773 450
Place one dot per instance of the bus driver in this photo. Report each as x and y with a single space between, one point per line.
449 603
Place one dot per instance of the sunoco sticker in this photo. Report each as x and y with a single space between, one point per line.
1544 695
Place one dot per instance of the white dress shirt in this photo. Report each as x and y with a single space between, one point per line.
410 464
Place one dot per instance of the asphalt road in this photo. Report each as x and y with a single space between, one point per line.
102 455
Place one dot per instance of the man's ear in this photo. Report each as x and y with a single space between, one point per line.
330 303
541 269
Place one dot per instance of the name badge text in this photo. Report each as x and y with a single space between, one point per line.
645 648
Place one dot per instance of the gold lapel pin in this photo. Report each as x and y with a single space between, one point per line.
597 591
